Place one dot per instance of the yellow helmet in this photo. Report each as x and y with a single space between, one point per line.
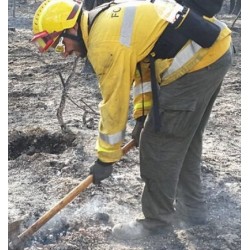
51 18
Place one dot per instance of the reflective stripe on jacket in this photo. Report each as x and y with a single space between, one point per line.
193 57
120 37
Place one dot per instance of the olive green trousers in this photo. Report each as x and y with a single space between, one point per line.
170 159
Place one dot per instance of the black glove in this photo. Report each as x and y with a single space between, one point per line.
137 129
100 171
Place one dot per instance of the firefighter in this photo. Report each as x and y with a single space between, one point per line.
173 60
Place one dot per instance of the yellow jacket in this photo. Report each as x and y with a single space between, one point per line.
120 37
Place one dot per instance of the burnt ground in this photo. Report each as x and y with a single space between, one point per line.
45 164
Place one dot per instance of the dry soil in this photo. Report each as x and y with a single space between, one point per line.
45 164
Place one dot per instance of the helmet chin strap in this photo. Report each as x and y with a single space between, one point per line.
72 37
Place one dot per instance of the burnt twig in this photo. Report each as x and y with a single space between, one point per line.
89 107
64 95
236 18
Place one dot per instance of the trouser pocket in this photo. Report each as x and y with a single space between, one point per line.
176 115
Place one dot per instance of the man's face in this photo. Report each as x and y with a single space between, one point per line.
72 46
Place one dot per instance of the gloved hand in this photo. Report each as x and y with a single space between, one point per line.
137 129
100 171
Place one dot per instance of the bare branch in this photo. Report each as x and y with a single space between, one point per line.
236 18
64 95
89 107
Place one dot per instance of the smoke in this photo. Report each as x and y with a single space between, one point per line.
96 210
100 205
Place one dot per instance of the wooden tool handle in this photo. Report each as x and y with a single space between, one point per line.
128 146
67 199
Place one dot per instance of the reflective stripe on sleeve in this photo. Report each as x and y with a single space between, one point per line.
141 89
127 25
113 139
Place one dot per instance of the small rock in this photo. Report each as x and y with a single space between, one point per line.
102 217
